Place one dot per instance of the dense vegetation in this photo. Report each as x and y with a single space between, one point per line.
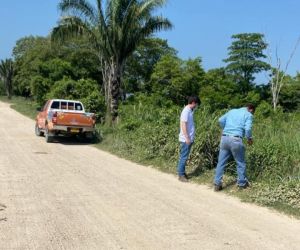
153 89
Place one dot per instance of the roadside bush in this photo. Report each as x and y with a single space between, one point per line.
268 160
263 110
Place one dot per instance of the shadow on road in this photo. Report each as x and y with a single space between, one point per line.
74 140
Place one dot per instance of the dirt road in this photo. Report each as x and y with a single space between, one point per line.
64 196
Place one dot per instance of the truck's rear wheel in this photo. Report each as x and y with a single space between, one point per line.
48 137
38 131
89 136
86 137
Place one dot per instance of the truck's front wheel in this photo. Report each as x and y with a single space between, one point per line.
38 131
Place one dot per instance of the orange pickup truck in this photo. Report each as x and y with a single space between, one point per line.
64 117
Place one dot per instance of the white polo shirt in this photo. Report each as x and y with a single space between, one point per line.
187 115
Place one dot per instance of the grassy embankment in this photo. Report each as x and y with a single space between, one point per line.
147 134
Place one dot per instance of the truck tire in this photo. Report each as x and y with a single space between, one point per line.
38 131
89 136
48 137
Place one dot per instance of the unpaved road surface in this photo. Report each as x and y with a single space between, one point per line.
71 196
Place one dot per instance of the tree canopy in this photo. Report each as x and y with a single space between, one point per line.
245 58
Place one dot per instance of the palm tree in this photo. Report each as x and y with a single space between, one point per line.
6 75
114 29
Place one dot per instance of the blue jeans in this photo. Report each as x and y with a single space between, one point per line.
231 146
184 155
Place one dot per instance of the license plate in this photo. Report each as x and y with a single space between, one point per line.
74 130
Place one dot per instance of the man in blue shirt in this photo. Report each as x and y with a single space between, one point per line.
236 124
186 135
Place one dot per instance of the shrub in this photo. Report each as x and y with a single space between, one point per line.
263 110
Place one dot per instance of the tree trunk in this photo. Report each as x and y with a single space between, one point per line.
112 83
8 89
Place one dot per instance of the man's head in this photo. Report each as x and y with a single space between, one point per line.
251 108
193 101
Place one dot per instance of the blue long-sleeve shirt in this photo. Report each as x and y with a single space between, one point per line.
237 122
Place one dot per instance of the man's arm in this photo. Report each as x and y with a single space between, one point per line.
248 129
222 120
184 131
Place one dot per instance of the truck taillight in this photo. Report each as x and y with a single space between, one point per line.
54 117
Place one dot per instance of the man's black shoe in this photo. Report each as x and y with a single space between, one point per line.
182 178
218 188
244 186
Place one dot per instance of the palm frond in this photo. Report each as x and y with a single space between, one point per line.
146 7
72 27
79 8
104 30
155 24
152 25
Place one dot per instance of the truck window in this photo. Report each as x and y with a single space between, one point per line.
55 105
63 105
78 107
70 105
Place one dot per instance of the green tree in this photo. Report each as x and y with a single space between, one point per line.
176 79
25 44
6 75
114 31
84 63
140 64
219 90
55 69
246 55
289 98
39 87
37 61
29 54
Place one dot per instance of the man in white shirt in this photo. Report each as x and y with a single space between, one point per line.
186 135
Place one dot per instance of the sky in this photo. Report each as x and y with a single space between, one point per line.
201 27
